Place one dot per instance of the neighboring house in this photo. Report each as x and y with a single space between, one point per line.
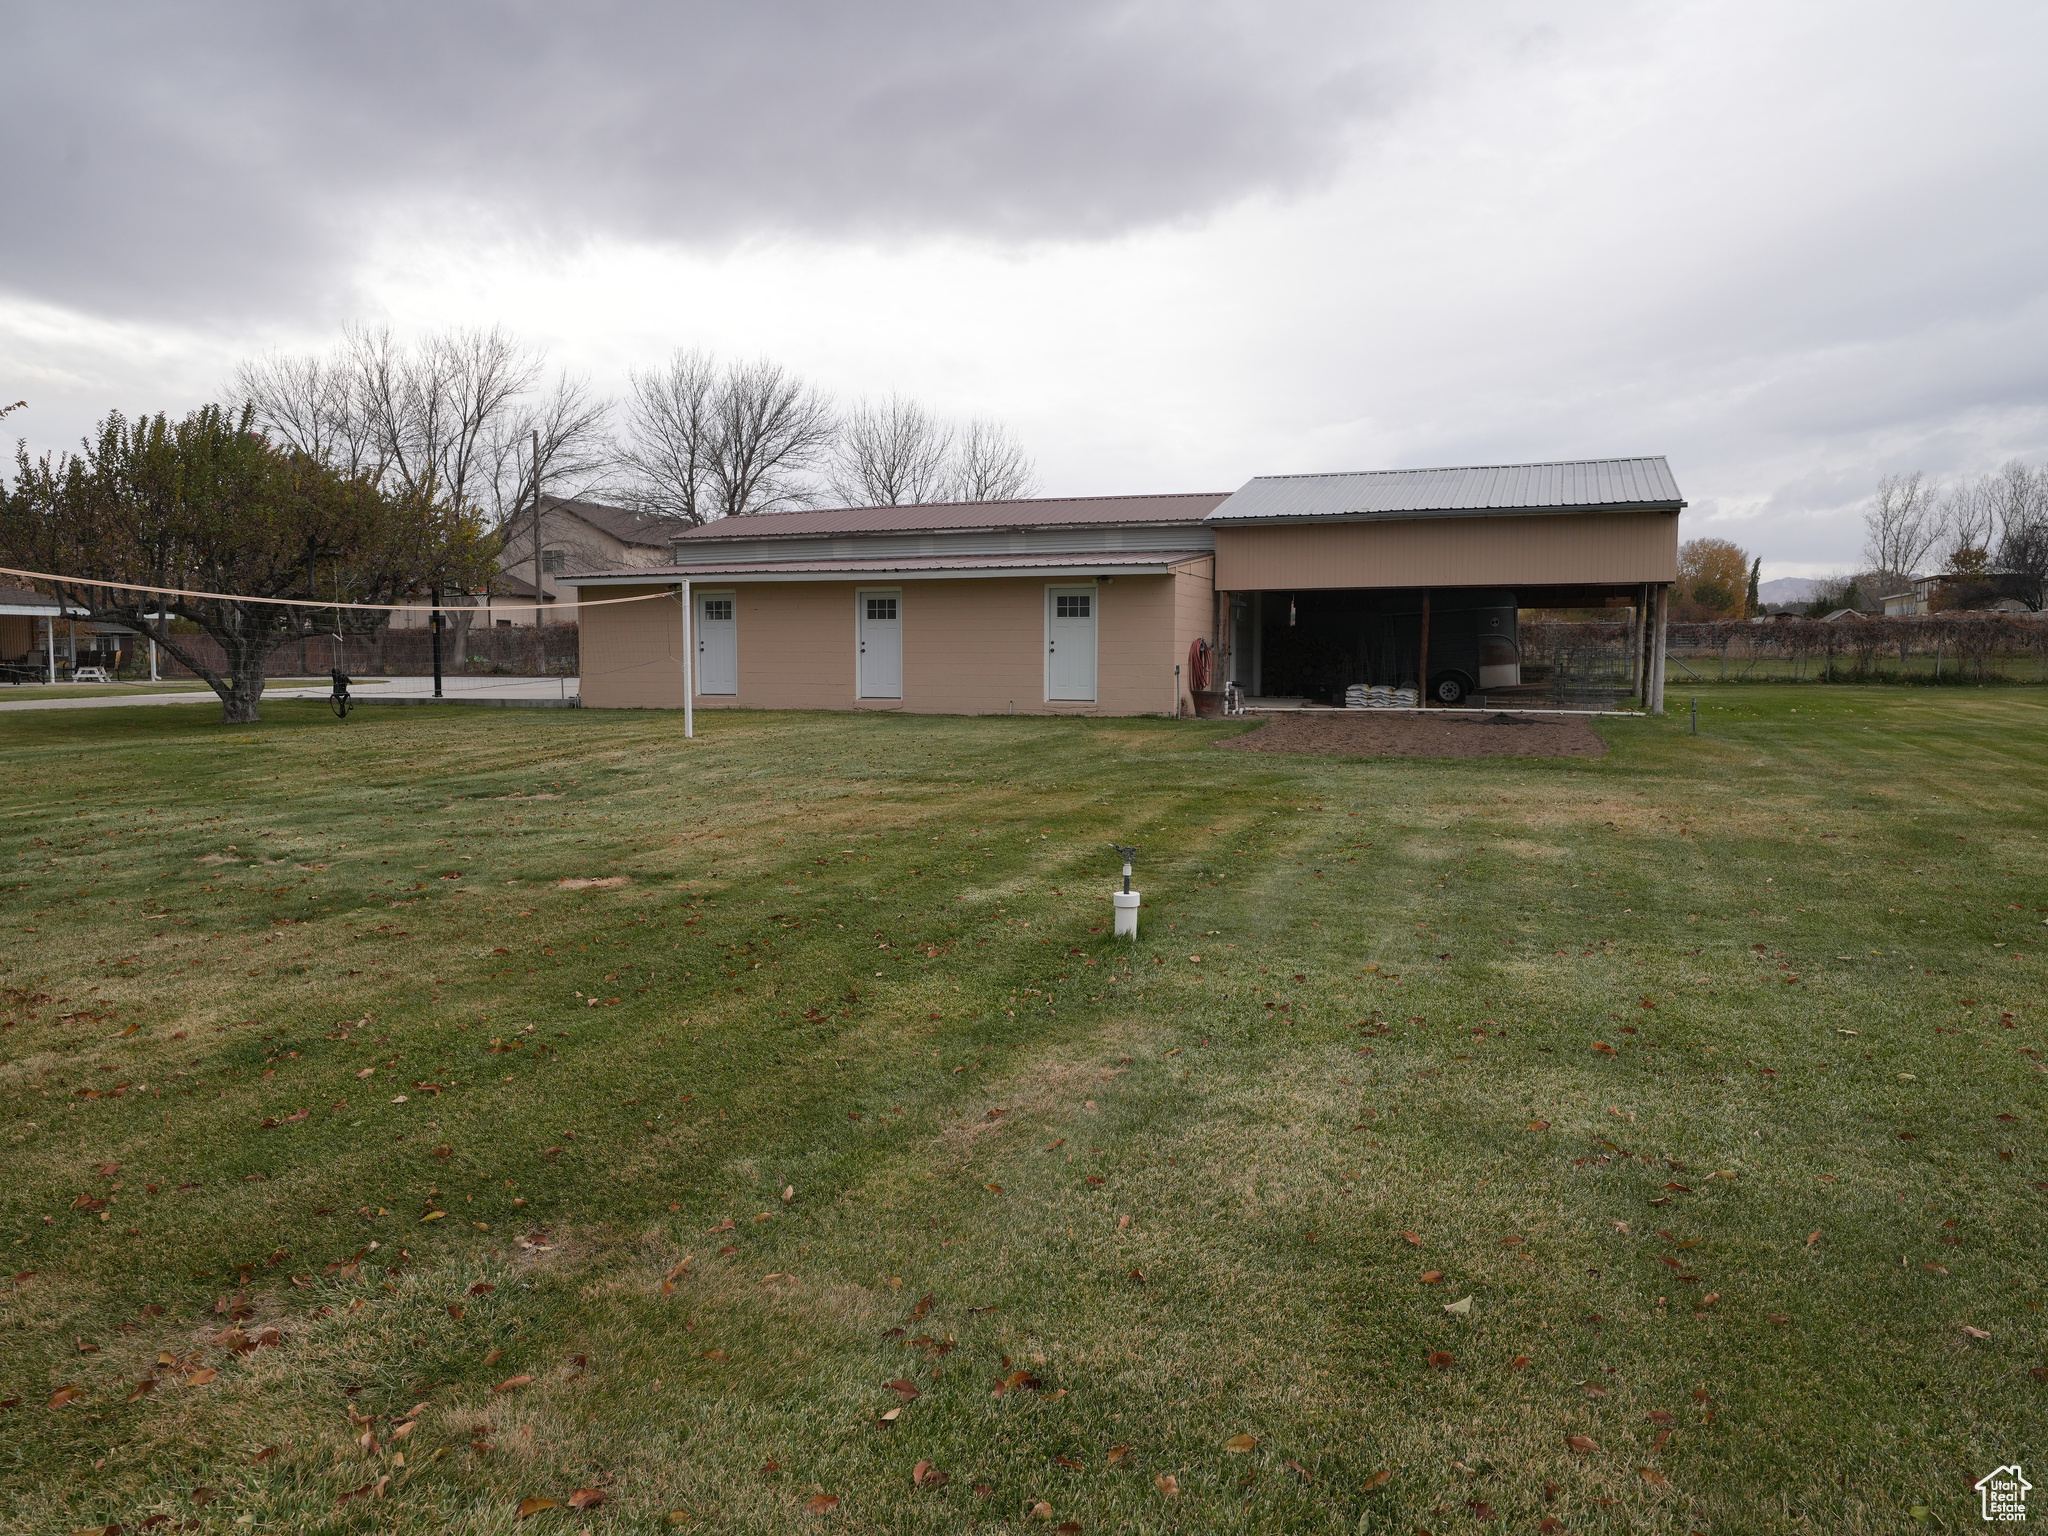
572 536
1096 605
33 625
1983 592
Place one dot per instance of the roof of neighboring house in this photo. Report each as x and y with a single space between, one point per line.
622 523
1578 485
949 516
712 572
20 601
509 582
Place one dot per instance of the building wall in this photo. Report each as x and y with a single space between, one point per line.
969 647
1543 550
1194 617
19 634
631 653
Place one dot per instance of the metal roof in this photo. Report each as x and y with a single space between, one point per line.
946 516
1121 562
1580 485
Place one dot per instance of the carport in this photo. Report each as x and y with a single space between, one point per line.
1331 583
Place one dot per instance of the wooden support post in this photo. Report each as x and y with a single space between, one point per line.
1422 662
1659 629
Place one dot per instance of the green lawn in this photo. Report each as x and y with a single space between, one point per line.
1709 1072
10 693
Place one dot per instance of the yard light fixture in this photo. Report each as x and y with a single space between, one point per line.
1126 900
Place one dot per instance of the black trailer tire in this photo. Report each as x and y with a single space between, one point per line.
1448 688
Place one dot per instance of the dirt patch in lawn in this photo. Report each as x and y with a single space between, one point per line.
1389 733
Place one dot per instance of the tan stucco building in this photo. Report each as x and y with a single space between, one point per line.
1096 605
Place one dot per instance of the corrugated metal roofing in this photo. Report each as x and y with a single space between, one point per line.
1581 485
849 570
946 516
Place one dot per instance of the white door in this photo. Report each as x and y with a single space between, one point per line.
879 632
1070 642
718 644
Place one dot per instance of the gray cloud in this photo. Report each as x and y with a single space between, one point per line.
197 162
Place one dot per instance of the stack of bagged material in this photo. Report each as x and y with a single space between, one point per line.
1378 696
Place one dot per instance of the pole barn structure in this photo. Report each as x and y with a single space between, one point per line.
1303 587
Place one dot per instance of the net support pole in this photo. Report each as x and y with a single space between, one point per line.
689 683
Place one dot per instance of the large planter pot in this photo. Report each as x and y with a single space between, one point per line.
1208 703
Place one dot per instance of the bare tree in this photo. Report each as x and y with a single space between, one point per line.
671 437
310 403
2019 498
428 419
991 465
773 433
1900 526
891 454
1965 517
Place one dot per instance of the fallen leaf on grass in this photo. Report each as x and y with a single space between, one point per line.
533 1506
1583 1444
1653 1477
716 1356
1539 1125
1934 1269
680 1517
1777 1319
1549 1526
1237 1445
1300 1469
1975 1333
1068 1528
202 1377
1441 1359
822 1503
1168 1484
1040 1511
1812 1238
1603 1047
203 1496
1659 1416
147 1384
1518 1362
1459 1308
1117 1453
513 1383
1413 1239
1377 1481
907 1390
1432 1276
994 1189
586 1498
1480 1508
64 1395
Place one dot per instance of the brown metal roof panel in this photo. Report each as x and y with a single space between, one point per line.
935 517
859 569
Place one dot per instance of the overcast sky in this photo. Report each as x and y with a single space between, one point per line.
1790 246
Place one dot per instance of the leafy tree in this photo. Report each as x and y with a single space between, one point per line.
211 504
1712 578
1752 602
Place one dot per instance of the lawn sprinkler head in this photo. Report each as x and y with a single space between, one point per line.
1126 900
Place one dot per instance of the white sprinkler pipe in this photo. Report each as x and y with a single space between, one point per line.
1126 903
689 685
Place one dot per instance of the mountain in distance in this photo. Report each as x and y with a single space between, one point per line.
1787 589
